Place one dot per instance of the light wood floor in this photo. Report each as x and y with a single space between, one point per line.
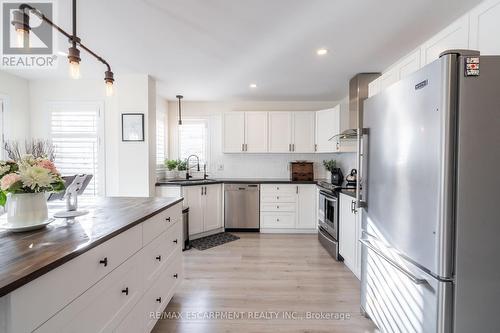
265 272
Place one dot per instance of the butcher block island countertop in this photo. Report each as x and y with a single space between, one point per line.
28 255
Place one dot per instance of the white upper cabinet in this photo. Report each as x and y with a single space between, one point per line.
233 132
303 132
327 125
256 132
280 132
455 36
485 28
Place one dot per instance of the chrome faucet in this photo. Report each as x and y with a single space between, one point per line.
189 168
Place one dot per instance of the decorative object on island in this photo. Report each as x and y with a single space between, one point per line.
24 183
76 187
21 22
171 172
179 97
182 168
336 173
301 170
132 127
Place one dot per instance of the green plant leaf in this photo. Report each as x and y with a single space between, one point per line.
3 198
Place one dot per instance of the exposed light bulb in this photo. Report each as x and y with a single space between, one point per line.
322 52
109 88
21 35
74 69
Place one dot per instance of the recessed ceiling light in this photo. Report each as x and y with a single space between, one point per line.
253 85
321 52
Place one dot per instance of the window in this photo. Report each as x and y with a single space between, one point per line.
193 139
75 133
160 139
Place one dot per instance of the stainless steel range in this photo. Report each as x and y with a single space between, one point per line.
328 218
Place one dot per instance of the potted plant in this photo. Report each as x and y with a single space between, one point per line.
171 169
182 168
23 184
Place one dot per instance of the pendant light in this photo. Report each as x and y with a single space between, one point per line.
20 22
179 97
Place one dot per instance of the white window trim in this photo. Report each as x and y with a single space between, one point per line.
208 142
101 136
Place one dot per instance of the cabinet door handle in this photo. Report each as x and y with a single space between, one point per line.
289 147
205 190
297 190
293 146
277 198
158 299
175 241
242 147
158 258
315 147
104 261
176 276
278 207
277 220
167 219
125 291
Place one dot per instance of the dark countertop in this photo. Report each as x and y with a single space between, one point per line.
28 255
182 182
349 192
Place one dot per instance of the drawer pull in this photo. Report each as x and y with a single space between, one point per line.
278 207
158 258
125 291
158 299
167 219
104 261
277 198
176 276
175 241
277 220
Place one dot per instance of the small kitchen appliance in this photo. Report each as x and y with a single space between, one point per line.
337 177
352 178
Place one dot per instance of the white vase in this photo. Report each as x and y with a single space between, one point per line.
26 208
182 174
171 174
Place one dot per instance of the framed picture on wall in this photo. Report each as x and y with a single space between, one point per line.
132 126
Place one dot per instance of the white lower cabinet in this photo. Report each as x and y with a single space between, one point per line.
205 208
287 208
349 231
140 276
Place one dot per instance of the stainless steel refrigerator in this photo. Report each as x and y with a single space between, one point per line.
430 204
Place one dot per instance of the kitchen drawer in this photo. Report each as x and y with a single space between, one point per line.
278 197
277 207
160 222
104 306
157 254
277 220
158 296
278 189
35 302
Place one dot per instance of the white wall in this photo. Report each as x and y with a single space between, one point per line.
250 165
128 164
479 29
14 91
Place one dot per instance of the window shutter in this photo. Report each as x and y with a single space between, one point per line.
75 135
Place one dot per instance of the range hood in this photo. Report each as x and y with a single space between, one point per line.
358 92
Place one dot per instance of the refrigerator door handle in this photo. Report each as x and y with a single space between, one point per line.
362 151
407 273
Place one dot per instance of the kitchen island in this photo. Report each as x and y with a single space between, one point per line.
106 270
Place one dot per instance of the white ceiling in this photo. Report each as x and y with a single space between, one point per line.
213 49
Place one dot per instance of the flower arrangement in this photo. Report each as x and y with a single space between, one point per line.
330 165
29 174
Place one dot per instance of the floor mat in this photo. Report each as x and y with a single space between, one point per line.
213 240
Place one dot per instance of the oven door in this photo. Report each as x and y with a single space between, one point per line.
328 213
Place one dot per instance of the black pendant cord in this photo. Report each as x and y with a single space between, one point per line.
73 38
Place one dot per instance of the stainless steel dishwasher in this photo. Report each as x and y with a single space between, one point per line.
241 207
